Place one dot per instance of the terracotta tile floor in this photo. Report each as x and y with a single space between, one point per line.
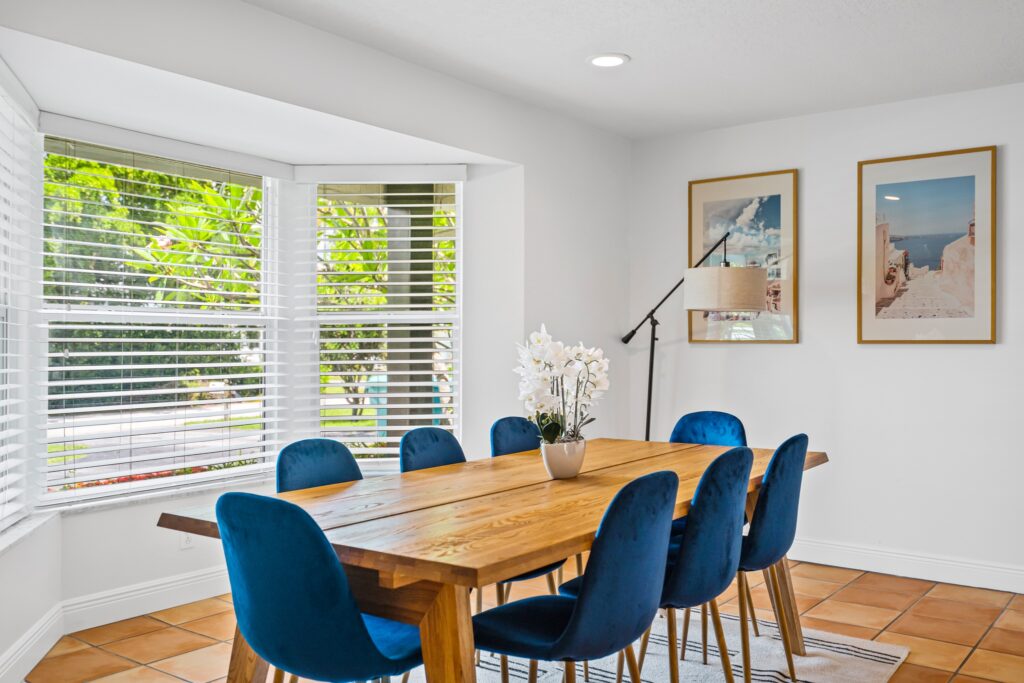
954 633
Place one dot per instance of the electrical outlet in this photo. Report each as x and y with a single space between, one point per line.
188 542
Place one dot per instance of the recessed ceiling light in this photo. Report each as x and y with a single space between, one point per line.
892 198
607 60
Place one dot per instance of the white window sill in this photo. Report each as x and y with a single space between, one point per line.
370 468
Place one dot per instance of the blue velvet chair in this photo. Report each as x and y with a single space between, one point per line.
770 537
426 447
292 598
515 435
709 427
315 462
618 594
703 560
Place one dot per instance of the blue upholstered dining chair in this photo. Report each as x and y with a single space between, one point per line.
770 537
709 427
426 447
515 435
315 462
292 598
618 594
703 560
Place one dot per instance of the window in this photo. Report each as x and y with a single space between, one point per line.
19 150
158 302
387 312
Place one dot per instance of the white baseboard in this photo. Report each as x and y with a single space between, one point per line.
919 566
23 655
108 606
105 607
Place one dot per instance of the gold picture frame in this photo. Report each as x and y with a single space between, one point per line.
776 194
907 293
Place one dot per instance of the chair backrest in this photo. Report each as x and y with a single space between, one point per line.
709 554
709 427
291 596
773 527
514 435
315 462
621 588
426 447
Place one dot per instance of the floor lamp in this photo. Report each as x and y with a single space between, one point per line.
722 289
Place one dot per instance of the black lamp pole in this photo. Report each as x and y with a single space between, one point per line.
628 337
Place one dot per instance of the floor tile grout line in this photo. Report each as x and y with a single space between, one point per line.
980 640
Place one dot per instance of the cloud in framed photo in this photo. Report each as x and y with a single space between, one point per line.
754 222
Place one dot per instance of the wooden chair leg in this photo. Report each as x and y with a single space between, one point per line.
634 668
686 634
405 677
570 672
619 665
278 675
579 564
499 593
586 670
643 645
552 588
776 609
704 631
744 633
723 650
504 669
533 671
673 661
789 607
781 621
745 595
295 679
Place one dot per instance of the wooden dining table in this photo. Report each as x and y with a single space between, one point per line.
413 545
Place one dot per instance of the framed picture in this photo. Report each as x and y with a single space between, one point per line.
926 248
759 211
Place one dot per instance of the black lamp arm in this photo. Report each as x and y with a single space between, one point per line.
628 337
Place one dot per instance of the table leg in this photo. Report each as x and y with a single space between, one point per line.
447 636
789 606
245 666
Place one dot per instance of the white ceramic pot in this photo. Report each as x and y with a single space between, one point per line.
563 460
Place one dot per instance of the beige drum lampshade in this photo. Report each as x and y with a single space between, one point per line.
717 288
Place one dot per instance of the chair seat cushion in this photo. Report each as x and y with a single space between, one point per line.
524 628
533 574
397 641
571 588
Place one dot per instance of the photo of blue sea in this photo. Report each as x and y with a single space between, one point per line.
926 215
926 250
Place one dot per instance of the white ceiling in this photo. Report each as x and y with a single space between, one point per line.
697 64
71 81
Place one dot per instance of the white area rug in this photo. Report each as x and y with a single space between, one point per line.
831 658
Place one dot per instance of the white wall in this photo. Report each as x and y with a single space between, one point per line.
923 439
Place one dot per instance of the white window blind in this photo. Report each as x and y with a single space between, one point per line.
19 153
388 311
158 301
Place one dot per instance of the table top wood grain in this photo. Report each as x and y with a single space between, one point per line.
483 521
